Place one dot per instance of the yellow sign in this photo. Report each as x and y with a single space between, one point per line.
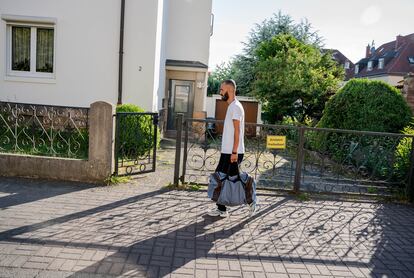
276 142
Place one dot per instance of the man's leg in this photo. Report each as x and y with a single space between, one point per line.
223 166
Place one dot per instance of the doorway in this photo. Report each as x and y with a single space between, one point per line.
180 100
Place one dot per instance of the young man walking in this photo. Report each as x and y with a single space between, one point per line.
232 145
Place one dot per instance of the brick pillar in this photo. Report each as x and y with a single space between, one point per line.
409 89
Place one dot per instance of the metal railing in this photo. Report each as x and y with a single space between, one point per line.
44 130
314 159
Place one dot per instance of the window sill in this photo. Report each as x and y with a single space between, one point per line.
30 79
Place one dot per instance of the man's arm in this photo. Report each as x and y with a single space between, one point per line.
236 125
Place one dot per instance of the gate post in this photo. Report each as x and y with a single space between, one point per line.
299 160
116 149
179 126
155 141
410 183
186 127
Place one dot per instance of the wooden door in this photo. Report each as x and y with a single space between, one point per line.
250 115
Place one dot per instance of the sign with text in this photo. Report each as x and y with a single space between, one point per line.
276 142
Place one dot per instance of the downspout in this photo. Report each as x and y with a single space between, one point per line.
121 52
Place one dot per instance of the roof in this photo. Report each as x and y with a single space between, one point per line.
396 57
187 64
341 59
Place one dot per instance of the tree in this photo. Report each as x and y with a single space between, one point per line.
244 64
221 72
293 78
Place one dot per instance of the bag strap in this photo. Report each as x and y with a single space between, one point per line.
238 171
217 190
249 190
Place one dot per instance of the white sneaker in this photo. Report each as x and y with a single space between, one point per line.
253 208
216 212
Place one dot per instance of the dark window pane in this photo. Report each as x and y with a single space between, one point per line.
44 50
21 48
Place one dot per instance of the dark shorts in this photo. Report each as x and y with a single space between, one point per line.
225 166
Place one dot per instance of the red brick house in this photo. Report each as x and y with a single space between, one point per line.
390 62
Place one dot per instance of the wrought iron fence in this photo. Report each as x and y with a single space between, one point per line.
314 159
44 130
272 167
355 161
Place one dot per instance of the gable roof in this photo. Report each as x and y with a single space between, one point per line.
396 54
341 59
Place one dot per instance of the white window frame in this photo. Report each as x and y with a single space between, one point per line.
370 65
33 23
347 65
381 63
356 68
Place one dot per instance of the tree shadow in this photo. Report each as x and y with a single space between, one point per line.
172 248
9 234
163 232
17 191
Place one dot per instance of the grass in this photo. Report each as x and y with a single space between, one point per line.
372 190
185 187
303 197
114 180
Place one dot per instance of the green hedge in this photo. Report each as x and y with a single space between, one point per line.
366 106
363 104
402 155
135 133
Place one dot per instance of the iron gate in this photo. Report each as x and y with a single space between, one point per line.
136 137
314 159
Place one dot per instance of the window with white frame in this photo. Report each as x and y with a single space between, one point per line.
356 69
347 65
381 63
30 50
370 65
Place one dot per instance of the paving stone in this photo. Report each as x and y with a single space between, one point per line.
133 230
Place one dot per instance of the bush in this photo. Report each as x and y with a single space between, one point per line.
367 106
135 132
402 155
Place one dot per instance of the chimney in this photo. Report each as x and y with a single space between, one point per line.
399 41
368 51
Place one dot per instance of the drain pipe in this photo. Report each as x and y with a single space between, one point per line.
121 52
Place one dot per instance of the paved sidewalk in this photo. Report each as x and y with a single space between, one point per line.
50 229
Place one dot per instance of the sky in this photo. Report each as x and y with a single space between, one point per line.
346 25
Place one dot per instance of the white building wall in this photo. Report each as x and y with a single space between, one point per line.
87 46
189 30
86 52
390 79
163 30
141 53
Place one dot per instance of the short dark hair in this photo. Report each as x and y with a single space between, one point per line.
230 82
